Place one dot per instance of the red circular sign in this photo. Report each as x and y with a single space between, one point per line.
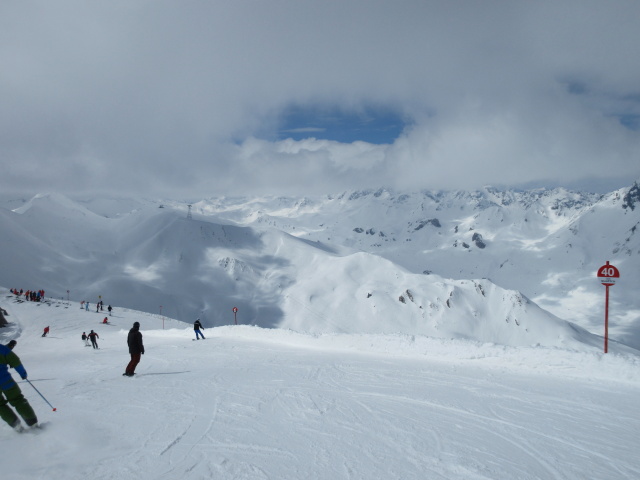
608 274
235 309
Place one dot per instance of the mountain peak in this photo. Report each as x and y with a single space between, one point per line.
54 203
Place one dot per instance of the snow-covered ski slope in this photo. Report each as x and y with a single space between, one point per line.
253 403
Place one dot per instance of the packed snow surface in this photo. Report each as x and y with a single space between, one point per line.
256 403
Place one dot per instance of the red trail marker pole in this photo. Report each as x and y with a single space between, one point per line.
606 320
607 275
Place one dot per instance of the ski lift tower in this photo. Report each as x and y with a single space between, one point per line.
189 213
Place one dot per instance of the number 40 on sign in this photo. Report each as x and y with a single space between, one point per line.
608 274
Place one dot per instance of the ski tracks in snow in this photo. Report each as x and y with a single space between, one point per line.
198 435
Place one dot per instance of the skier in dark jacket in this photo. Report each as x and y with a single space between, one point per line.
136 348
92 336
196 327
10 391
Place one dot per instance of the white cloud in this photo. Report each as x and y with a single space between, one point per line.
167 98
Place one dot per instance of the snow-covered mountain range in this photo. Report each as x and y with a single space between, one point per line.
477 265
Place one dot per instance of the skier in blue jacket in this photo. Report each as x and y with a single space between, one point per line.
10 391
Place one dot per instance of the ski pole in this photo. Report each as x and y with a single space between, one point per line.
34 387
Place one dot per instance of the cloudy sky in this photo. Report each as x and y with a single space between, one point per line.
200 98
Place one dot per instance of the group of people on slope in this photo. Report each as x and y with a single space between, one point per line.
29 295
10 393
99 306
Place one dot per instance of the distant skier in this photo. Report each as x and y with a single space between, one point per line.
109 308
136 349
86 339
196 327
10 391
46 330
106 320
93 336
86 306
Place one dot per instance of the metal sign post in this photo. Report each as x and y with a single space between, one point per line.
607 275
235 313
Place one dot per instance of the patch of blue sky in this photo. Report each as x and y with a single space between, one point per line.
377 125
630 120
624 108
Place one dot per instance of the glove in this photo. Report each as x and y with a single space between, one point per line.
23 373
